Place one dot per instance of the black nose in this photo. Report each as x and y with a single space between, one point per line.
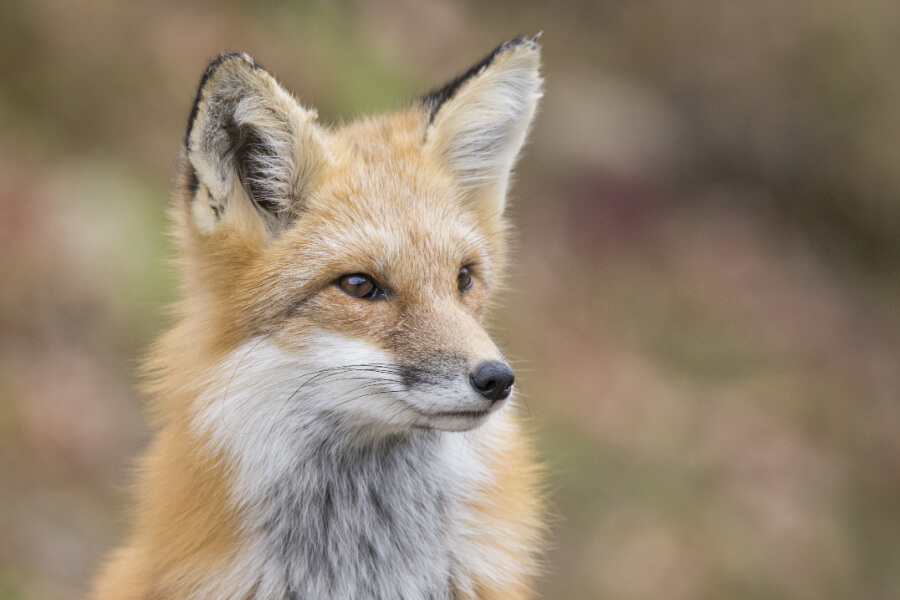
493 380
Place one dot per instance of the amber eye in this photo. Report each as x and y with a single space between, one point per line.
464 279
360 286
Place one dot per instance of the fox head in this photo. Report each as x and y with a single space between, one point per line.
345 272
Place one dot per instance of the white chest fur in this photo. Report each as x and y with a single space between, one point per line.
325 512
378 522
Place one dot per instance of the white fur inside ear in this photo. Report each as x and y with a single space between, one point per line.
254 149
479 132
202 210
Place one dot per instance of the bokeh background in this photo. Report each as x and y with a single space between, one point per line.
704 305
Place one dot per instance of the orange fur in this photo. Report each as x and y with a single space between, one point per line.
516 501
379 200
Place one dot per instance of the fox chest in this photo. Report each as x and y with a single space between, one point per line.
374 525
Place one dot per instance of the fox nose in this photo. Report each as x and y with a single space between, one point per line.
493 380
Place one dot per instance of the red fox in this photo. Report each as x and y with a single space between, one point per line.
333 421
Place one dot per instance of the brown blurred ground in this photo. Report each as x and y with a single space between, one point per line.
705 302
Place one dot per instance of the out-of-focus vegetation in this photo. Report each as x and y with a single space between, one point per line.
706 295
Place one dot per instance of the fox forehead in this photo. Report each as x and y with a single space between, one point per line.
383 208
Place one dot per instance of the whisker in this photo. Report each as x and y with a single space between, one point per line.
231 379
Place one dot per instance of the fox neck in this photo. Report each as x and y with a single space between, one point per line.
374 521
325 512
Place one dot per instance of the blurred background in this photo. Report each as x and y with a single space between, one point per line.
705 300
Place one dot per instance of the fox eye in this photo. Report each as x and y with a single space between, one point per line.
360 286
464 279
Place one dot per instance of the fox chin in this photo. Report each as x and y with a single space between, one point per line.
332 419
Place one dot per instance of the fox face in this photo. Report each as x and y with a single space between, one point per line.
346 271
328 346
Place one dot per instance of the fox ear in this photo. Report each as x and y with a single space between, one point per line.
477 123
253 150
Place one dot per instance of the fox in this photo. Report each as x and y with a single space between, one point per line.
331 418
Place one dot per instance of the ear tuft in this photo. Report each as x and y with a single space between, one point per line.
249 139
210 69
477 123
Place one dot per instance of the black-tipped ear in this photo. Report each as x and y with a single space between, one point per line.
210 69
477 123
252 147
436 98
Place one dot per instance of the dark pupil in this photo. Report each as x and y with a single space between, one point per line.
464 279
357 285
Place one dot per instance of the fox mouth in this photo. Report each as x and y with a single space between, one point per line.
453 420
461 414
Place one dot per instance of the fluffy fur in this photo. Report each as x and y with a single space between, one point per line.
313 444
